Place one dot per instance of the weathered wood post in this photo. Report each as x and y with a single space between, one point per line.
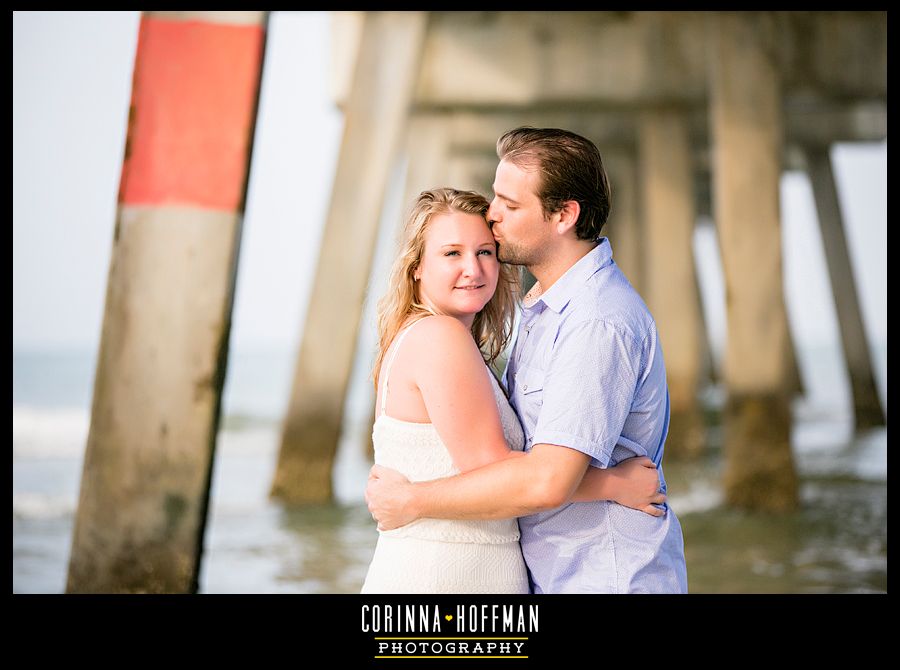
746 120
164 345
375 117
866 405
667 181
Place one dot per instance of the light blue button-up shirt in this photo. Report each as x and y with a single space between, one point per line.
587 373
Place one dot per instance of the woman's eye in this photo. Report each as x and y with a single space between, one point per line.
452 253
487 252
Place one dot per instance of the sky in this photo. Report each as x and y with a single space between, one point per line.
71 92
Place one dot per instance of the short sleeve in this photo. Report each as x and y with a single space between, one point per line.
588 389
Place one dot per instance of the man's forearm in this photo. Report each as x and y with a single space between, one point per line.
597 484
509 488
499 490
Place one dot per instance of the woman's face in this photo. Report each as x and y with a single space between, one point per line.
459 268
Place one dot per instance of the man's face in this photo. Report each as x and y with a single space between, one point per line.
520 228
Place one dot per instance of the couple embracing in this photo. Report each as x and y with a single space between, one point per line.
550 480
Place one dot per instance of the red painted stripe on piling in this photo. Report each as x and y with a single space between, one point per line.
192 105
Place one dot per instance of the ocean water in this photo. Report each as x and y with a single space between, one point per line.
835 543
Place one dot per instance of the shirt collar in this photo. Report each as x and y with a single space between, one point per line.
562 291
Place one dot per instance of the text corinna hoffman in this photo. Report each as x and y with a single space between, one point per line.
412 619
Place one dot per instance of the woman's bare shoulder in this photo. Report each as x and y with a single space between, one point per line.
441 335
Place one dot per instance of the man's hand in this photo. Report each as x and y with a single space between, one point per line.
389 496
639 485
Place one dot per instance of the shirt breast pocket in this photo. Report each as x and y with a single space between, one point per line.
528 399
530 383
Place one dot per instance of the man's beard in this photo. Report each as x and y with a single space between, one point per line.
513 254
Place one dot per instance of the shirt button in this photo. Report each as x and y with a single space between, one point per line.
525 387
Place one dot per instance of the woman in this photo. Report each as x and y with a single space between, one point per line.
439 409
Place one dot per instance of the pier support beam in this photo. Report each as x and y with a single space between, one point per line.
667 181
746 120
164 344
866 404
376 113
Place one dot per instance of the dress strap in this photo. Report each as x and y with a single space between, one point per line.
387 369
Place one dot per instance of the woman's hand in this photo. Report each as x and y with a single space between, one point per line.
389 497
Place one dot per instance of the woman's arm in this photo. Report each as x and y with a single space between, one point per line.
449 372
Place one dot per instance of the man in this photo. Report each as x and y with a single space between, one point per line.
586 377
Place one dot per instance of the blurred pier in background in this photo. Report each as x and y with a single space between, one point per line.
697 116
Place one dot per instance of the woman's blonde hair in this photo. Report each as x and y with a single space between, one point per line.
492 326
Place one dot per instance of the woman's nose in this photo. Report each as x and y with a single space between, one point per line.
472 266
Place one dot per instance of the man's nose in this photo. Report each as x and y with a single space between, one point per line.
493 213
